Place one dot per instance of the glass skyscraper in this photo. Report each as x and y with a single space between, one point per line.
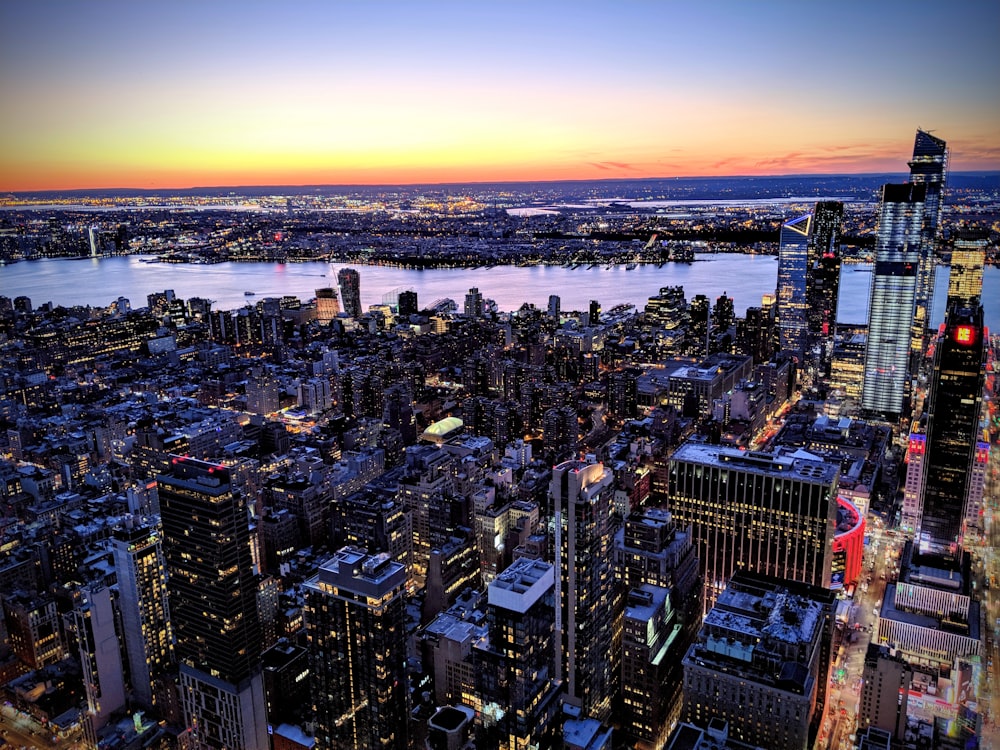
898 245
350 291
953 418
928 167
793 265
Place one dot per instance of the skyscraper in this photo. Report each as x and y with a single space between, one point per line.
823 277
793 264
213 603
473 303
147 630
965 280
956 394
898 245
515 666
355 625
554 302
350 291
582 499
928 168
769 513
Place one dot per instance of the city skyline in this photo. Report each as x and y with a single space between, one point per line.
180 95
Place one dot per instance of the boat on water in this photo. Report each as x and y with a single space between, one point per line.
249 294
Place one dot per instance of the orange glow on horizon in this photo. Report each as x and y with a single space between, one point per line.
234 171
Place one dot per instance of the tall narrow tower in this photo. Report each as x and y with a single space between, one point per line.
582 499
355 623
898 246
928 167
823 278
213 601
793 264
137 548
350 291
954 405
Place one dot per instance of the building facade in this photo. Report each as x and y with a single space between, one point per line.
760 662
147 628
355 626
954 405
581 495
898 248
212 593
793 266
770 513
350 291
928 167
516 663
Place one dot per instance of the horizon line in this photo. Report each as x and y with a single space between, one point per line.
313 186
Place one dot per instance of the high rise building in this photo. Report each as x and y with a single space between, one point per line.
473 303
761 661
965 279
928 167
147 629
350 291
700 325
823 278
582 498
554 303
769 513
793 265
594 312
90 630
327 305
213 603
355 625
407 303
898 245
516 664
650 673
954 404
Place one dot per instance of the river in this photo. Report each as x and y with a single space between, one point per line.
99 281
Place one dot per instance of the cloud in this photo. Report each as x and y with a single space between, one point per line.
609 165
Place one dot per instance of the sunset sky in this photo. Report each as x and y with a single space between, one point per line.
180 94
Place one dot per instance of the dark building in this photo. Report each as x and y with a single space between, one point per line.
885 691
515 665
954 404
761 661
355 623
823 278
213 602
408 304
700 323
350 291
595 312
928 168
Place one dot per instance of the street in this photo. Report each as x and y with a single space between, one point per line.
880 566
